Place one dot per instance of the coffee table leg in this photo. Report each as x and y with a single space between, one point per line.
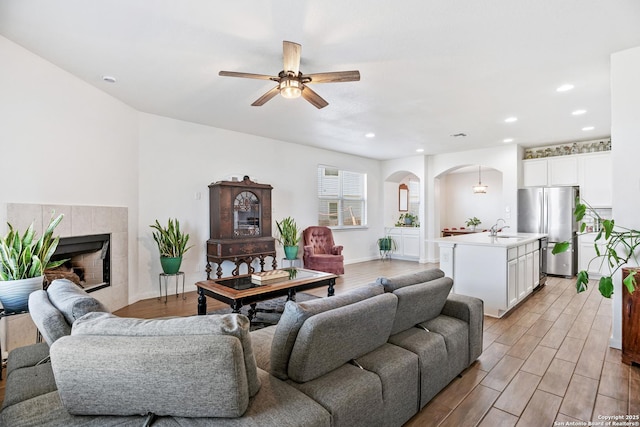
332 282
252 311
235 306
291 295
202 302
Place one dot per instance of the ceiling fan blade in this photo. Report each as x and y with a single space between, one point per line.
246 75
267 96
313 97
291 53
333 77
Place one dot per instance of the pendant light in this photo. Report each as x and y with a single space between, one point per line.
480 189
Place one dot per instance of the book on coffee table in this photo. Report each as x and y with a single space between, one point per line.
269 276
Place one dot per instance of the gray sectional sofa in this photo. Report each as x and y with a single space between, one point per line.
373 356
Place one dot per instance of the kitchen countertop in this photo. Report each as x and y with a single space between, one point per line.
505 240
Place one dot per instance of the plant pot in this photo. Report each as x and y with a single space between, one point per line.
291 252
170 265
384 244
472 227
14 294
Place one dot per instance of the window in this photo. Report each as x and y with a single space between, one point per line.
341 197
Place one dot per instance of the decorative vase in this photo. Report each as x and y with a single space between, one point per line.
291 252
14 294
170 265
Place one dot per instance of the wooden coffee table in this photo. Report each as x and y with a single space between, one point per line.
238 291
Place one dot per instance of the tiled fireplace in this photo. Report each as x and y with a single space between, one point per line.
79 222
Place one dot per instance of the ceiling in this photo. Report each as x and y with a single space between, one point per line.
429 68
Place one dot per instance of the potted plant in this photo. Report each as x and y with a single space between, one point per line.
23 260
615 245
386 245
407 220
472 223
172 244
289 236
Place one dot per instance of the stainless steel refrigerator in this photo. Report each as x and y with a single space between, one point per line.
549 210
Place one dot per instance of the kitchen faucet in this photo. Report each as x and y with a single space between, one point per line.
493 231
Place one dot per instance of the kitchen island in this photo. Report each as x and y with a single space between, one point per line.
501 270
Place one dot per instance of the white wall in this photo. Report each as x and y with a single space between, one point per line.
459 203
505 159
63 142
188 157
625 150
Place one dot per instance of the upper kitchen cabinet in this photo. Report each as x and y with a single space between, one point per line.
536 173
591 171
596 179
563 171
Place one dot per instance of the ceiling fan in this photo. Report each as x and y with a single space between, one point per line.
291 82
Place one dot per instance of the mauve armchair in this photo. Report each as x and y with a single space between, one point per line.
320 251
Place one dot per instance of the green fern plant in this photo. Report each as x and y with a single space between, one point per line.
24 256
171 241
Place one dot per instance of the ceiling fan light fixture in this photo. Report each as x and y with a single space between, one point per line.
290 88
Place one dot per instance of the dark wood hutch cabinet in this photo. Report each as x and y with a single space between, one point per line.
240 225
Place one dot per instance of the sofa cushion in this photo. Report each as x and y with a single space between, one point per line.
28 382
72 301
47 318
392 283
228 324
332 338
456 338
27 356
421 302
353 396
295 314
127 375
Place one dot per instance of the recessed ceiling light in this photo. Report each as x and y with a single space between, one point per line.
420 150
586 128
564 88
369 135
511 119
507 140
109 79
578 112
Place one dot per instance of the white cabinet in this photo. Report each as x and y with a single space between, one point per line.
512 282
563 170
502 275
536 268
407 242
596 181
586 253
535 173
591 171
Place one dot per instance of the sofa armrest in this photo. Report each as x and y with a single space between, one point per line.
337 250
470 310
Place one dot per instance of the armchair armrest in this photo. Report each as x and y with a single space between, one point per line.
308 250
337 250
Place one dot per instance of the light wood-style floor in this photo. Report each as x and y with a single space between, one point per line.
547 361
